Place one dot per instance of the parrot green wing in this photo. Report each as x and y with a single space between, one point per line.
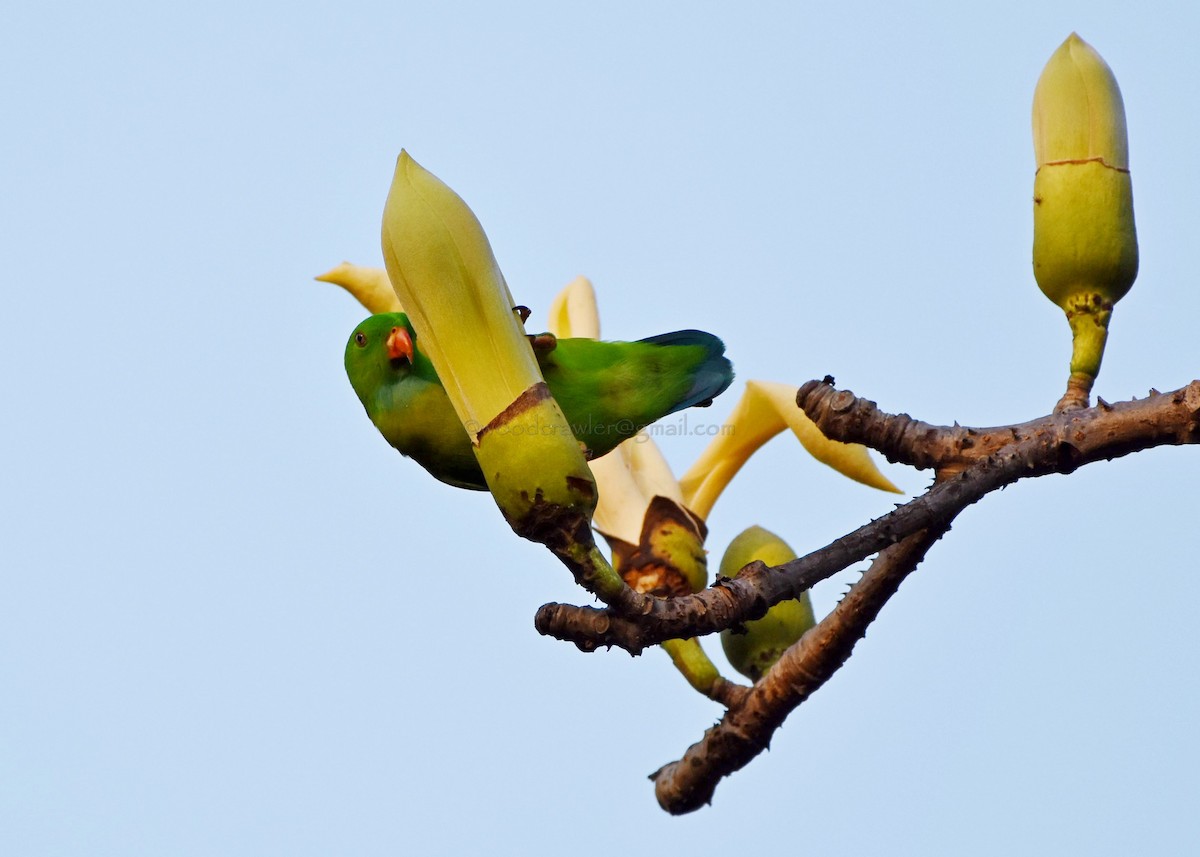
610 390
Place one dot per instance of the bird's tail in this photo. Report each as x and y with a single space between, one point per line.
713 373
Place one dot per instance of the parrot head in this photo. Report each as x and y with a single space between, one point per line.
382 350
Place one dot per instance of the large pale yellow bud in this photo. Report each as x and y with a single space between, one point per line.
441 266
1085 254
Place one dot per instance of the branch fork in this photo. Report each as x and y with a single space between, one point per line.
968 464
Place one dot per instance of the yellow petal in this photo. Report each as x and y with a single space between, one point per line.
444 273
765 410
573 312
630 477
370 286
651 470
852 460
622 503
754 421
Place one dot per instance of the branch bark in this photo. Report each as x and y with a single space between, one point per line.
746 729
969 463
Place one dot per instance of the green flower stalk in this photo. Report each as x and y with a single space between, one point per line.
440 263
1085 254
765 640
657 543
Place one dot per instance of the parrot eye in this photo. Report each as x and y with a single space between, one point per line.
360 339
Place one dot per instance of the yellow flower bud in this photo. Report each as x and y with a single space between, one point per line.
1085 254
442 268
1078 114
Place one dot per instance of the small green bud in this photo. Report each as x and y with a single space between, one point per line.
765 640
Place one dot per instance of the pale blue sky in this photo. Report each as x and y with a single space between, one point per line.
234 621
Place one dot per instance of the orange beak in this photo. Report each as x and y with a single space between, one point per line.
400 344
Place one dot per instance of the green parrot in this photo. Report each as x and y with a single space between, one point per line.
608 391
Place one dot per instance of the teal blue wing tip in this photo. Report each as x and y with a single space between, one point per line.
711 377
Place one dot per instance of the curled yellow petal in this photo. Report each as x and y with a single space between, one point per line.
574 313
852 460
765 410
370 286
651 470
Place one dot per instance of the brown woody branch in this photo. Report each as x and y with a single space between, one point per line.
746 729
1100 433
969 463
731 601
